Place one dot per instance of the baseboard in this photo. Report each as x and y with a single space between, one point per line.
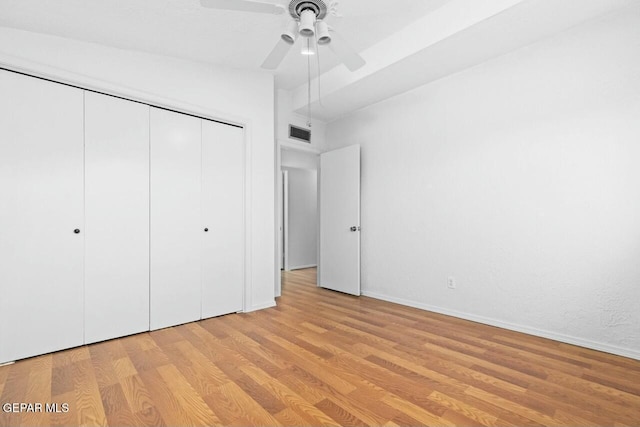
302 267
567 339
257 307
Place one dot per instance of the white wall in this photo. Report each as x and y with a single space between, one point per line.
302 218
299 159
520 177
286 116
232 95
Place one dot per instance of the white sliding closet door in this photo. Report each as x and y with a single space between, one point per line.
176 230
41 207
117 217
223 217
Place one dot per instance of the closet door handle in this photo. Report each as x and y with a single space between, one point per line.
206 229
77 231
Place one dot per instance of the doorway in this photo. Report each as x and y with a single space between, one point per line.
319 216
300 218
298 211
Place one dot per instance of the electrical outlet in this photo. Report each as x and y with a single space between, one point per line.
451 282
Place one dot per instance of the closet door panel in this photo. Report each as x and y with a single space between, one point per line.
41 193
223 215
117 217
176 231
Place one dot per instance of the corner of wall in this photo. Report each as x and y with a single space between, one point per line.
285 115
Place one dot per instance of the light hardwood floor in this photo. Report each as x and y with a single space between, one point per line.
324 358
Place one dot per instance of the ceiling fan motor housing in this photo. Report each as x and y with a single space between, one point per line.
318 7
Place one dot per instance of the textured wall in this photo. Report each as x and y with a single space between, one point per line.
520 178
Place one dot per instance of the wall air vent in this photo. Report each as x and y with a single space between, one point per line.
300 134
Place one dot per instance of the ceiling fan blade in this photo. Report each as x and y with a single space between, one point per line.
347 55
244 6
277 55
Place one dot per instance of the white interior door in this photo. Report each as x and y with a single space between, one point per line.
176 233
339 267
41 205
117 217
222 219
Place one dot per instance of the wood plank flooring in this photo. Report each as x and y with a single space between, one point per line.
324 358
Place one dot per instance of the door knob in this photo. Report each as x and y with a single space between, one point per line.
206 229
354 229
77 231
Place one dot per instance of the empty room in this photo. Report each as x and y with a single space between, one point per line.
318 212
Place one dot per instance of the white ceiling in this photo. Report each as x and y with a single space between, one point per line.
457 36
406 43
185 29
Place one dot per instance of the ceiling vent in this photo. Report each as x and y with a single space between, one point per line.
300 134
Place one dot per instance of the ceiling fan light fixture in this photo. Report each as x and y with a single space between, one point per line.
307 23
324 38
290 34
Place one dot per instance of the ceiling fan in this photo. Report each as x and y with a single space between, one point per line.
308 20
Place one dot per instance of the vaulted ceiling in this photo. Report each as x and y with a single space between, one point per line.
405 42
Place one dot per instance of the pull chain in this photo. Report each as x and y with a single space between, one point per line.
318 63
309 81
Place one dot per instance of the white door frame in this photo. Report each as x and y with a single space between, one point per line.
283 145
279 243
281 216
285 219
